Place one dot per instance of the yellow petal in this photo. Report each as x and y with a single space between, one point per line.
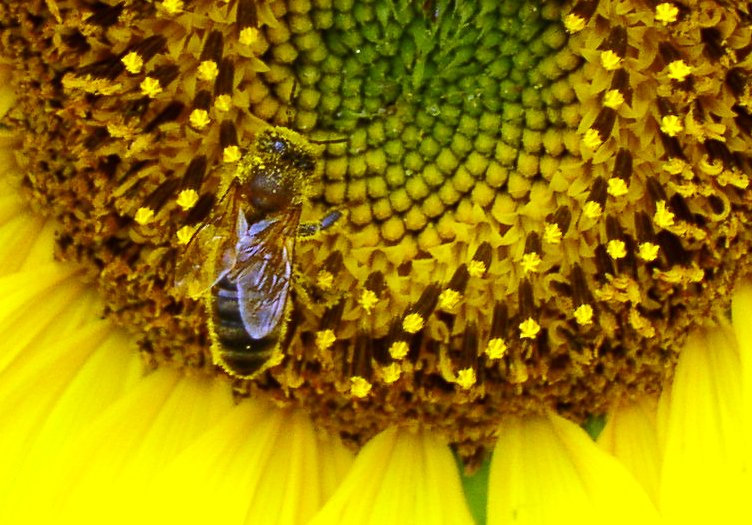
259 464
705 476
741 313
399 477
630 435
547 470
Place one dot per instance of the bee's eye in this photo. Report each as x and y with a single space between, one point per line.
279 146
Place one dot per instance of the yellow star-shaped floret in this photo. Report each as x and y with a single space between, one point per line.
325 339
359 386
496 348
187 199
529 329
584 315
133 62
647 251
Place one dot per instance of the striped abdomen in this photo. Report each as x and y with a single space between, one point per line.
237 351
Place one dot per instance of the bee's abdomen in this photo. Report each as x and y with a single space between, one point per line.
239 352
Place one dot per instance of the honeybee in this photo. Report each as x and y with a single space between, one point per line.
240 259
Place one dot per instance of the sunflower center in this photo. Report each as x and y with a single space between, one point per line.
394 212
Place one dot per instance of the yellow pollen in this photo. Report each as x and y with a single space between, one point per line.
675 166
187 199
390 373
231 154
325 339
223 103
466 378
496 348
325 280
476 268
133 62
530 262
663 218
248 36
711 168
613 99
208 70
185 234
574 23
592 139
552 233
398 349
616 249
679 70
584 315
529 329
449 299
368 299
172 7
592 210
413 323
610 60
666 13
617 187
150 87
199 118
359 386
144 216
647 251
671 125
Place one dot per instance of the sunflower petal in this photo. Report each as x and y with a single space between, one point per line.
630 435
546 469
705 474
741 312
399 477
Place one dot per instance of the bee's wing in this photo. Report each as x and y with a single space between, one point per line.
211 252
263 270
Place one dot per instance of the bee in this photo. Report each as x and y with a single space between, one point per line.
240 260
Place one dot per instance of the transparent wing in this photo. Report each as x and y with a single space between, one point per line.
263 270
210 254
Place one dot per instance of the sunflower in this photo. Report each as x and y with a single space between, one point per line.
468 230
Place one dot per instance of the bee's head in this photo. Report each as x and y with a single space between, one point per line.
282 167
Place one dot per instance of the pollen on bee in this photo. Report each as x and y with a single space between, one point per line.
583 314
187 199
150 87
398 349
413 323
185 234
325 339
133 62
529 328
359 386
144 216
466 378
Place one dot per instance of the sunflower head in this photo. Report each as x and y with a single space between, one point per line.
499 207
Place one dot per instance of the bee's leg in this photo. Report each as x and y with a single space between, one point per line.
309 229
